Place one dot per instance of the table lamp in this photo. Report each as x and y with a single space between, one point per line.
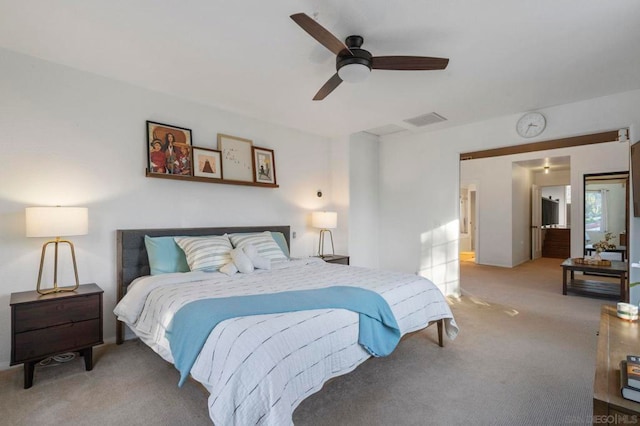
326 221
56 222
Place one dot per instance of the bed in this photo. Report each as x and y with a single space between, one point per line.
259 368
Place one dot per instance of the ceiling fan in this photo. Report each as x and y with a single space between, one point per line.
353 64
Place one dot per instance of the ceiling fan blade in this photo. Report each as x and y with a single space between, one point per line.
318 32
328 87
408 63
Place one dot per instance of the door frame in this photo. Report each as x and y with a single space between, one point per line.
536 222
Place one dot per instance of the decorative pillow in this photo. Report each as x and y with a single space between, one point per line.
165 256
229 269
206 253
242 261
264 243
258 261
279 238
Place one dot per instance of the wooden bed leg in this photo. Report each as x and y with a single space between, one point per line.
440 325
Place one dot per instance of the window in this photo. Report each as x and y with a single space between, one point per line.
595 211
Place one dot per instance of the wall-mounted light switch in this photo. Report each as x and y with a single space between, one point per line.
293 234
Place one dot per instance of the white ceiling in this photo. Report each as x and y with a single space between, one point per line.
248 56
555 164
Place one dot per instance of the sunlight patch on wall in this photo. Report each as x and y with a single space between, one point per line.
439 257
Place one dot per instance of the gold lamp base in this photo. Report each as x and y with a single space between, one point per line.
321 243
55 288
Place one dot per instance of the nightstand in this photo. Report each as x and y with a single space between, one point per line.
336 258
50 324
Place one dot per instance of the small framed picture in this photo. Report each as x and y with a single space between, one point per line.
207 163
236 157
169 149
264 165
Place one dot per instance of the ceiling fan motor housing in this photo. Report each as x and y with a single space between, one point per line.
357 55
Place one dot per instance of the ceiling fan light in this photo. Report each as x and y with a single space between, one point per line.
354 73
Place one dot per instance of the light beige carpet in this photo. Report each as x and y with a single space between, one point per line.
525 355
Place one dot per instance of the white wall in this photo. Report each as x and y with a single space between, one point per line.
75 139
420 184
364 165
493 178
419 208
521 213
339 194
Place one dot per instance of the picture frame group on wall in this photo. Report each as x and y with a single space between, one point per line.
171 155
169 149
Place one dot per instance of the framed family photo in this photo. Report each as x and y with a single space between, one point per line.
207 163
236 157
169 149
264 166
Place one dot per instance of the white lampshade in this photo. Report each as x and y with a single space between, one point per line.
354 73
56 221
324 220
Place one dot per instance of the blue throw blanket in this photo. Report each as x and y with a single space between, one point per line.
192 324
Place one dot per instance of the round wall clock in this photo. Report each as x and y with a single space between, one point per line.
531 125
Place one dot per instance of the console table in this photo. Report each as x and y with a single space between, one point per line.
617 338
619 249
595 287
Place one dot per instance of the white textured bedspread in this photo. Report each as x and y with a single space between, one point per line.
259 368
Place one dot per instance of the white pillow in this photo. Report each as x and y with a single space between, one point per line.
264 243
242 261
206 253
229 269
258 261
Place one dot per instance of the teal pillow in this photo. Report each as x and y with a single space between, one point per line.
165 256
281 241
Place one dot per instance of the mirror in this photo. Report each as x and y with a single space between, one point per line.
606 203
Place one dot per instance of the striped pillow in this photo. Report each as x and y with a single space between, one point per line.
263 241
206 253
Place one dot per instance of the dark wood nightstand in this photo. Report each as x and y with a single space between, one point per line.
336 258
46 325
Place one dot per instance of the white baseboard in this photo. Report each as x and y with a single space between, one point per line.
4 365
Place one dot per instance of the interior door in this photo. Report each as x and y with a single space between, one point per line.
536 222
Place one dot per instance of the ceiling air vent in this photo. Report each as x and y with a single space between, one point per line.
425 119
389 129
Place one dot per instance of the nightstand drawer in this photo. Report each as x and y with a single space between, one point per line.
62 338
34 316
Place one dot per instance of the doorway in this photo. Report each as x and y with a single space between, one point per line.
504 207
468 228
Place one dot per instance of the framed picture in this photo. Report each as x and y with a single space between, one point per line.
207 163
236 157
264 166
169 149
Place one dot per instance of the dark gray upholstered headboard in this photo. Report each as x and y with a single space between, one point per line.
133 262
